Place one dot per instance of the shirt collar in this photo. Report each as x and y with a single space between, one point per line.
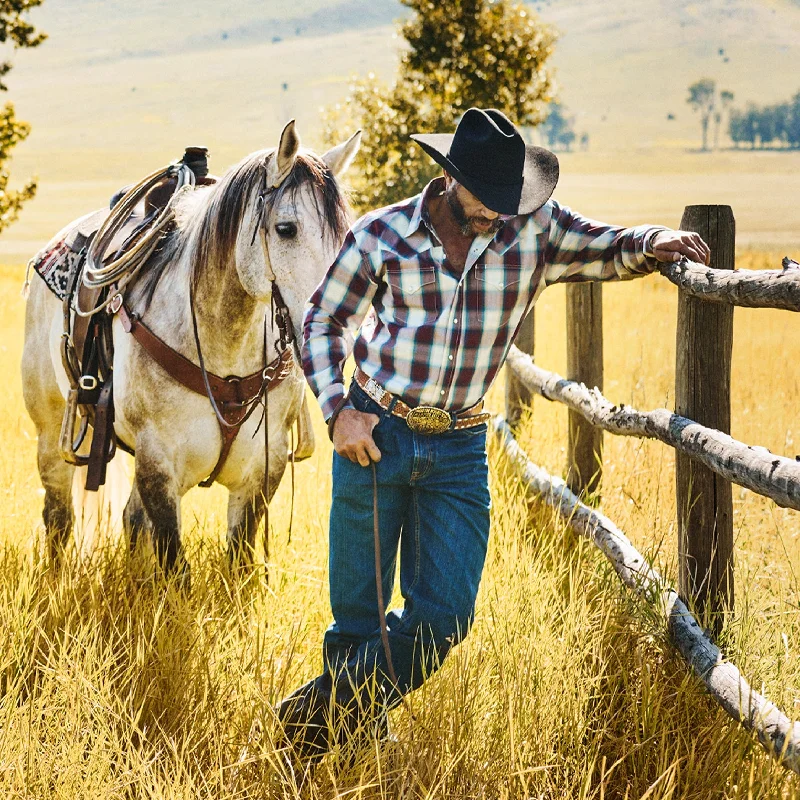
420 214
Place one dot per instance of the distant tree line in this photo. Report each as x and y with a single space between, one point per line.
775 125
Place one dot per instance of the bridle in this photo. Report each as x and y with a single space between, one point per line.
286 341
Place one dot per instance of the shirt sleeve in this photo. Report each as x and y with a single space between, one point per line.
336 310
581 249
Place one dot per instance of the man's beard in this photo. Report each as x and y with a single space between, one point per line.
463 221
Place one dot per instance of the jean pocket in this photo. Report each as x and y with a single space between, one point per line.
363 402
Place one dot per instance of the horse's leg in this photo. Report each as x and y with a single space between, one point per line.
45 404
135 519
245 510
56 477
157 488
246 506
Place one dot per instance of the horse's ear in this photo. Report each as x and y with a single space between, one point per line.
340 157
280 165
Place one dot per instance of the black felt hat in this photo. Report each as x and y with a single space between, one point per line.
487 156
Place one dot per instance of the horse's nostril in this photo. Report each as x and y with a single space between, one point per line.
286 230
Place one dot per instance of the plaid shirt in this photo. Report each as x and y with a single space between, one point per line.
438 337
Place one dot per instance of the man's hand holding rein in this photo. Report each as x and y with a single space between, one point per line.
352 436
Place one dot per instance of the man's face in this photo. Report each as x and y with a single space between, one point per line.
471 215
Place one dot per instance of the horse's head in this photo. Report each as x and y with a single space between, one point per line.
294 222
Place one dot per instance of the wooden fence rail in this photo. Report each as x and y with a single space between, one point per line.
776 732
755 468
742 287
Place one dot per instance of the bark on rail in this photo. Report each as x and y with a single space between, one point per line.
776 732
774 288
776 477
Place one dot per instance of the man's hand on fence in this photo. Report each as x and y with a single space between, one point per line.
672 245
352 436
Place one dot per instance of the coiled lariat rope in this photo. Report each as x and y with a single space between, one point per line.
121 270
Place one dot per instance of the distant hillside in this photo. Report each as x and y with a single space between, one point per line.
152 28
120 86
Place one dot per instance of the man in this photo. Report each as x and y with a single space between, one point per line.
450 275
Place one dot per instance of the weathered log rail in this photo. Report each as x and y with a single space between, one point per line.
773 476
742 287
776 732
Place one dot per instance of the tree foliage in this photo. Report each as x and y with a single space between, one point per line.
776 125
486 53
17 32
702 98
558 128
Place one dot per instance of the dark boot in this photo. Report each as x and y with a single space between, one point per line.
322 714
304 717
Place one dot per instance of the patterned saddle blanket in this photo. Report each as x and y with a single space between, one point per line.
64 255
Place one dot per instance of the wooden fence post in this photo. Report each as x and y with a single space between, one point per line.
702 393
585 364
518 398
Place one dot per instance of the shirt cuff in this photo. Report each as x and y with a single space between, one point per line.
329 398
647 241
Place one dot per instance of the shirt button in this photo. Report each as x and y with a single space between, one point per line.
455 322
442 393
450 358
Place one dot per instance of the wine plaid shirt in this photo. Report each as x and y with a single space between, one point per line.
438 337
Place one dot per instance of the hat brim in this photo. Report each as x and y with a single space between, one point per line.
539 176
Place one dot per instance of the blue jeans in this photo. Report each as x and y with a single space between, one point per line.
433 504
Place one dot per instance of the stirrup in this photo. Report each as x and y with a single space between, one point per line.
67 444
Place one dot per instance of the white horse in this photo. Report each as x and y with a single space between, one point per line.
217 246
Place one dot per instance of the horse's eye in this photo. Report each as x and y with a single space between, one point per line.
286 230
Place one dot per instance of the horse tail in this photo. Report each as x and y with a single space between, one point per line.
98 515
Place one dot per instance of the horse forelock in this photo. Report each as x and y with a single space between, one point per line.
236 192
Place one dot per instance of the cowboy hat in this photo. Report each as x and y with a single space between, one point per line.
488 156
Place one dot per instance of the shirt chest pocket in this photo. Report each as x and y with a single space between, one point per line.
411 290
501 289
501 277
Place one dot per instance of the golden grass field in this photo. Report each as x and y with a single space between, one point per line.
565 688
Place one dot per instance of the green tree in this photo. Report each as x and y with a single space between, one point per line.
17 32
702 98
487 53
558 128
793 122
725 100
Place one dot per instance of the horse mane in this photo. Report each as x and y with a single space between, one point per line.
208 219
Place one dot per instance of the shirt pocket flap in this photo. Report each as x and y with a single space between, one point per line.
501 276
408 277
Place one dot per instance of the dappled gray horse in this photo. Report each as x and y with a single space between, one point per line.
277 216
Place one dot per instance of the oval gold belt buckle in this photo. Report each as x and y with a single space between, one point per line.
428 420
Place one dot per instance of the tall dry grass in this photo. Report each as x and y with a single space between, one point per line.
112 685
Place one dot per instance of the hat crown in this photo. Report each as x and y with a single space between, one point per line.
488 147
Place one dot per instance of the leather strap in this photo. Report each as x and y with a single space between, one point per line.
234 396
102 435
229 391
336 411
386 400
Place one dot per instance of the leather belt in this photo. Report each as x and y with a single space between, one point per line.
427 420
